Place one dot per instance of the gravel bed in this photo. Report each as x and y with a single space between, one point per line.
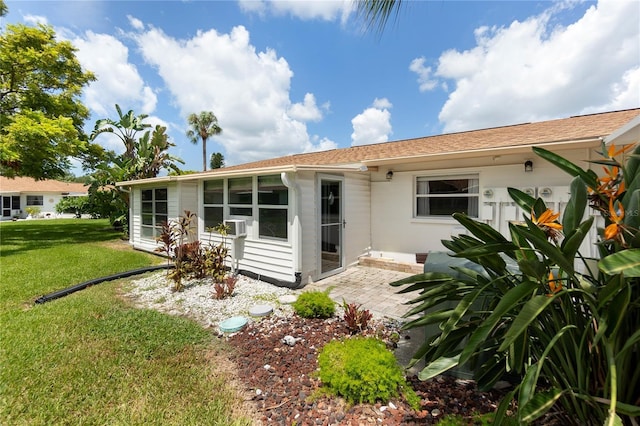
196 301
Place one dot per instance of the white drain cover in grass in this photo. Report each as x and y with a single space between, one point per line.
233 324
288 299
260 310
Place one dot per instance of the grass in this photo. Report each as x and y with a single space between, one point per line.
92 358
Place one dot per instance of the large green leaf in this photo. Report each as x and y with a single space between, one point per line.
574 239
547 249
539 404
632 216
625 262
588 176
522 199
508 302
481 230
438 366
419 278
574 211
527 315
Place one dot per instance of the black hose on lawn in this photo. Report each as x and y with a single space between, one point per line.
67 291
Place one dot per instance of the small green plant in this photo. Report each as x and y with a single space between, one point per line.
362 369
33 211
357 319
314 304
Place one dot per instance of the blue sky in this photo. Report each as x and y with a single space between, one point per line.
286 77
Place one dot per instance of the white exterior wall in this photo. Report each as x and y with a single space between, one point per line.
357 214
398 235
309 219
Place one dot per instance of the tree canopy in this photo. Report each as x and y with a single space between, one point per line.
41 115
217 160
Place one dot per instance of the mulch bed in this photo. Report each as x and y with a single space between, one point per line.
281 379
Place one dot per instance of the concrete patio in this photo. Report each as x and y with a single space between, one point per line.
368 286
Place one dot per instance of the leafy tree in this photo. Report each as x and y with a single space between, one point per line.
41 116
203 126
3 8
145 156
217 160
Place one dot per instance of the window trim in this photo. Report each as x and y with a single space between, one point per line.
155 227
429 178
41 197
261 207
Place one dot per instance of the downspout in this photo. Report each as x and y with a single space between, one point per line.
289 180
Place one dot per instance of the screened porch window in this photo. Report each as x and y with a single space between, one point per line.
35 200
154 208
213 203
444 196
241 196
273 204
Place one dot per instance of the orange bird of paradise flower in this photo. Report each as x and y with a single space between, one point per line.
614 230
554 284
547 222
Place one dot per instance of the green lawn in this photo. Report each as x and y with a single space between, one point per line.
91 358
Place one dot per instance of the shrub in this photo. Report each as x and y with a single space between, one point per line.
362 369
314 304
566 327
357 319
225 288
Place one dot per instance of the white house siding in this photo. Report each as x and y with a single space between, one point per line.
309 220
357 214
398 235
188 198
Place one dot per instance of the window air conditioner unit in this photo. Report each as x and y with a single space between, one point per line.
236 227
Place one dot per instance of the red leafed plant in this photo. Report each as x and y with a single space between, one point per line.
356 318
225 288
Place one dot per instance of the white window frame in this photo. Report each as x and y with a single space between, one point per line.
475 195
155 226
272 207
39 198
213 205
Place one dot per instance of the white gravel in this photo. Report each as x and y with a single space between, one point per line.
196 300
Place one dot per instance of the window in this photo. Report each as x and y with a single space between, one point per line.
15 201
441 197
35 200
154 208
241 196
213 203
273 204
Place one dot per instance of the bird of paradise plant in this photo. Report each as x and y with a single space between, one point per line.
567 326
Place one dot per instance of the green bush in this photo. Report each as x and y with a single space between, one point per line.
314 304
361 370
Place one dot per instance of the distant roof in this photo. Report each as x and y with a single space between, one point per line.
26 184
583 128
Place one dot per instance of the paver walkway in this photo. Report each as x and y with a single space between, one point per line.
369 287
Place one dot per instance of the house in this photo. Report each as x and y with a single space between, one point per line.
17 194
307 216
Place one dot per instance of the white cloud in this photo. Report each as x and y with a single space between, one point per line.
248 91
373 125
306 111
535 70
35 19
135 23
118 81
301 9
425 81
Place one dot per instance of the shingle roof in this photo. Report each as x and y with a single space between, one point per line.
26 184
568 129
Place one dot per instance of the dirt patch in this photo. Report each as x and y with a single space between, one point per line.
285 390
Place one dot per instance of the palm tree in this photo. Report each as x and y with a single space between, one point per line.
377 12
203 126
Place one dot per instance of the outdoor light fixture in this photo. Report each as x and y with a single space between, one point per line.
528 166
390 175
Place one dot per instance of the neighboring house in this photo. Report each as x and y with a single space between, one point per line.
304 217
21 192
